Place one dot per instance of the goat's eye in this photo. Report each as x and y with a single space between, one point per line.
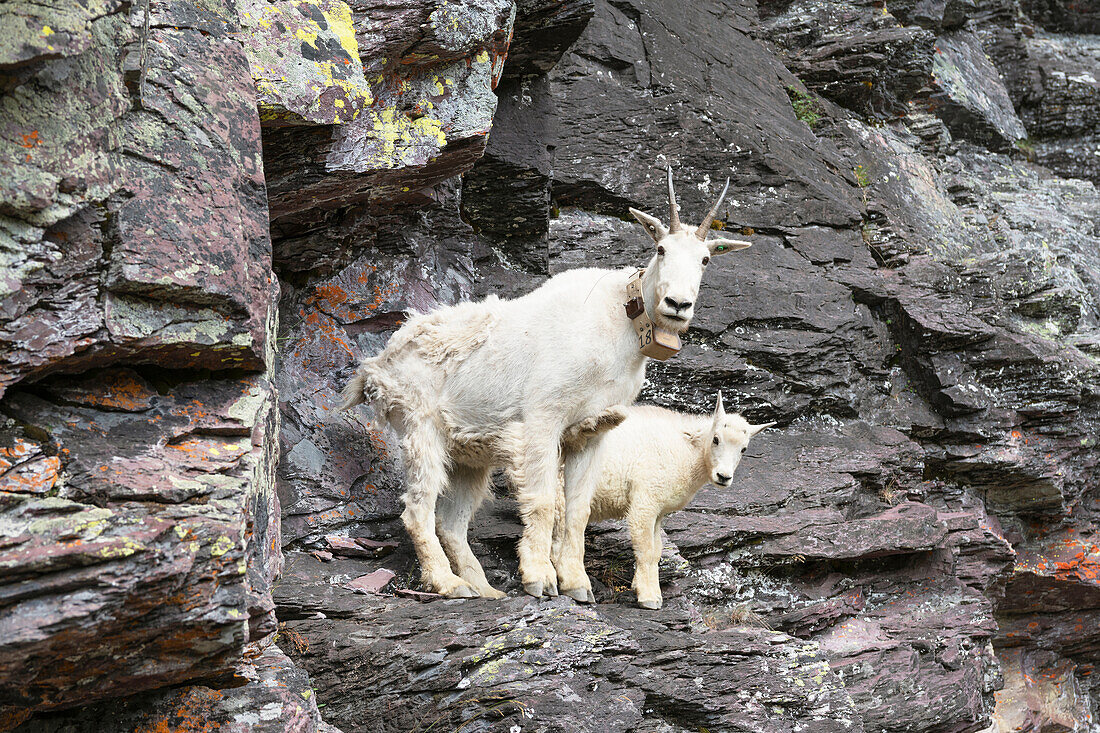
660 250
706 260
744 449
716 440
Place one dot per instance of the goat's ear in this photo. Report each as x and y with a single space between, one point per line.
754 429
722 246
695 437
652 225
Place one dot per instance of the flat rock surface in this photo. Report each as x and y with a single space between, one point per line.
548 665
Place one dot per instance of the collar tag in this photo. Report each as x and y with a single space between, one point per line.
654 342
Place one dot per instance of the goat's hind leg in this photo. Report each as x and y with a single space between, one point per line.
425 456
468 487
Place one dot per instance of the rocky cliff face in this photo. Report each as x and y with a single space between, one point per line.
210 211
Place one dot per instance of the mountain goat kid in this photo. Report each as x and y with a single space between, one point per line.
649 466
476 386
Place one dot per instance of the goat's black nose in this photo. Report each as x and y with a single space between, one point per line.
724 479
678 306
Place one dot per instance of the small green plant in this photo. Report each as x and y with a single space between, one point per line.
805 108
862 177
617 575
1027 147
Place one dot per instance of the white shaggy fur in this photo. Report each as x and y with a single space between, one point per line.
480 385
649 466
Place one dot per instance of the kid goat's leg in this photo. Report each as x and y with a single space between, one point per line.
645 535
426 475
534 474
467 488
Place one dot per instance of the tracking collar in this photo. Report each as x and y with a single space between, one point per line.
653 341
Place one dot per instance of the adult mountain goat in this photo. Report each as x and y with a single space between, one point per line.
476 386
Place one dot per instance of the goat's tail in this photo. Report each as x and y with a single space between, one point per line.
576 436
355 392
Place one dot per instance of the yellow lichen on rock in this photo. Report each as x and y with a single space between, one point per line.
304 58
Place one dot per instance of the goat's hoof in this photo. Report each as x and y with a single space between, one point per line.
651 605
539 589
491 592
462 590
580 595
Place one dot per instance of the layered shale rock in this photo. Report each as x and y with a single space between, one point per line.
143 553
918 312
496 665
969 96
1063 116
271 695
405 102
133 218
914 546
139 526
856 54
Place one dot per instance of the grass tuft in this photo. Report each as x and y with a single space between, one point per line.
805 107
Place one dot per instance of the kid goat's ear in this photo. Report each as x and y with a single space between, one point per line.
722 246
754 429
652 225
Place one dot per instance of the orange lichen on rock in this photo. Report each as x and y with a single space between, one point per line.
193 712
12 717
1064 556
24 470
111 389
378 442
337 302
205 452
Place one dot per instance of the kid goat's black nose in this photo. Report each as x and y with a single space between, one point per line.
678 306
724 479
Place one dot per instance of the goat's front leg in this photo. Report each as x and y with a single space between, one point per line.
468 488
425 455
580 479
645 535
534 474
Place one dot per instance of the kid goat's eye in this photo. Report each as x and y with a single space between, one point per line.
744 449
660 250
716 440
706 260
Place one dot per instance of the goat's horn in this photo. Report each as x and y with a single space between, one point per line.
673 209
701 232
